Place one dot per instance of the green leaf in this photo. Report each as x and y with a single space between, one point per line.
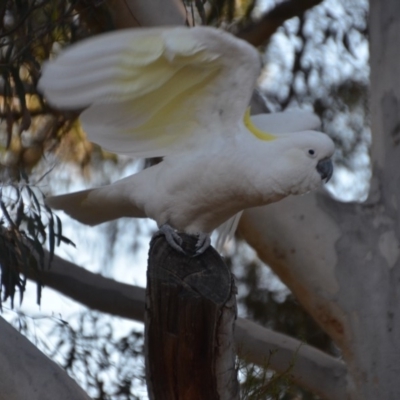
67 241
6 214
20 213
33 197
51 237
59 230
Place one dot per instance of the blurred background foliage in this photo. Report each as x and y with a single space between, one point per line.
315 56
32 31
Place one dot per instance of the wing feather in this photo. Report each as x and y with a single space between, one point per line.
114 125
226 231
95 206
153 92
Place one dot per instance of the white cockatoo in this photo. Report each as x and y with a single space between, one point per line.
182 94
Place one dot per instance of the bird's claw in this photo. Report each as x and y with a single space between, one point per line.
175 241
203 243
172 237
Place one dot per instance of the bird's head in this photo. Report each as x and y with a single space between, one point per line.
302 156
306 161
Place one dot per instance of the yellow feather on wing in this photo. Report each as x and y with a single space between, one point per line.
153 92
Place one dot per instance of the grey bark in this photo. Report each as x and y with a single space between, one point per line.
25 373
342 260
308 367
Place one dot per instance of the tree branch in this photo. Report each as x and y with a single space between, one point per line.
26 373
93 290
254 343
132 13
308 367
259 33
296 237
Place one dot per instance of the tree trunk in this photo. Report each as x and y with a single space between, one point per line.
190 314
376 322
343 260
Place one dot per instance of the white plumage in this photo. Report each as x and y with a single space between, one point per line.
182 94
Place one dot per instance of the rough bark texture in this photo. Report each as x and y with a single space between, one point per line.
190 314
25 373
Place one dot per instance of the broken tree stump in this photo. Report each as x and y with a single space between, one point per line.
190 314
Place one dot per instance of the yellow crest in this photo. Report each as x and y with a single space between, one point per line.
254 130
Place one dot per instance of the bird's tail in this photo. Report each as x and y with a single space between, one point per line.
227 231
95 206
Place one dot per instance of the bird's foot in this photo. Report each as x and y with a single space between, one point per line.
203 243
175 241
172 237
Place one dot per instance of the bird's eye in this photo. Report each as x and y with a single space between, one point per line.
311 152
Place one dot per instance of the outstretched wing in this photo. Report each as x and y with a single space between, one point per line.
95 206
152 92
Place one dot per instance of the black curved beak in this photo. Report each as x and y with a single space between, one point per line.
325 169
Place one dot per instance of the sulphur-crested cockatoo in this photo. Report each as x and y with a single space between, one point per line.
183 94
